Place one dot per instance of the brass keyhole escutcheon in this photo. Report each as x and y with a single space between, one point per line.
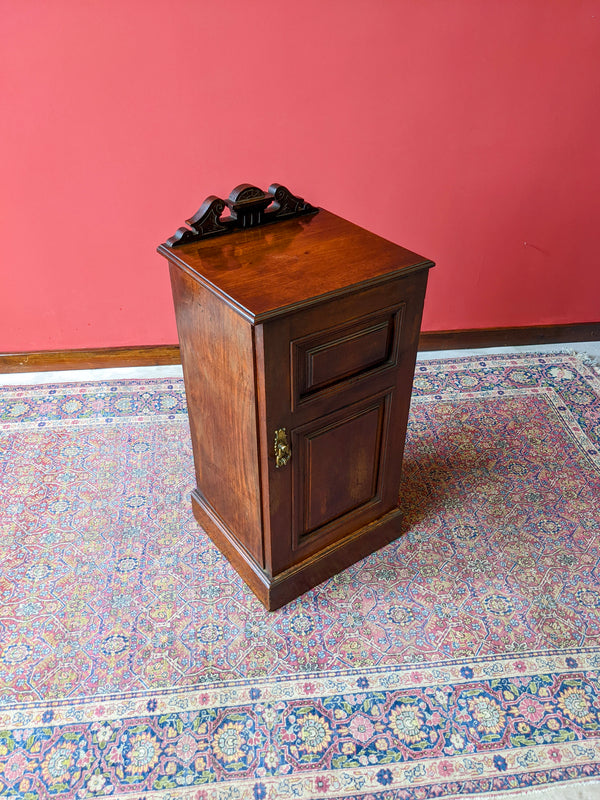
282 449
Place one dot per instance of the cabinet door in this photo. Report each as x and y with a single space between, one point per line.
335 381
338 470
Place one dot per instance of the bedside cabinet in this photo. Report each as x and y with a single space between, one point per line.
298 334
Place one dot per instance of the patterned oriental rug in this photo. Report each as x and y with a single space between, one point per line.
459 661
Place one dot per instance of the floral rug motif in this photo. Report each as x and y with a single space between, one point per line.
462 659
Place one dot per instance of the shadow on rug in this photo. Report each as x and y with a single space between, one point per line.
459 660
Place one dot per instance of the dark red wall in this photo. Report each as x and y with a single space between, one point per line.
465 130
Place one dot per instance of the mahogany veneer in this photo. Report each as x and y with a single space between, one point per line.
298 341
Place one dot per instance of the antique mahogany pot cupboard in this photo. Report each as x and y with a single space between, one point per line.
298 334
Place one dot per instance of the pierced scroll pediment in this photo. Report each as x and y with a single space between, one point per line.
248 207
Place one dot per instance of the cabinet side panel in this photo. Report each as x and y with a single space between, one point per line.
218 367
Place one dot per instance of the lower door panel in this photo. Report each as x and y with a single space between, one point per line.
338 472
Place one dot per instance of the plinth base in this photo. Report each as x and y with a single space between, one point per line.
275 591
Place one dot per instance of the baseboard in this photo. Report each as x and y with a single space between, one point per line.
156 355
509 337
98 358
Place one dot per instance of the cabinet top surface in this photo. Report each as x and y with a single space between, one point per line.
289 264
